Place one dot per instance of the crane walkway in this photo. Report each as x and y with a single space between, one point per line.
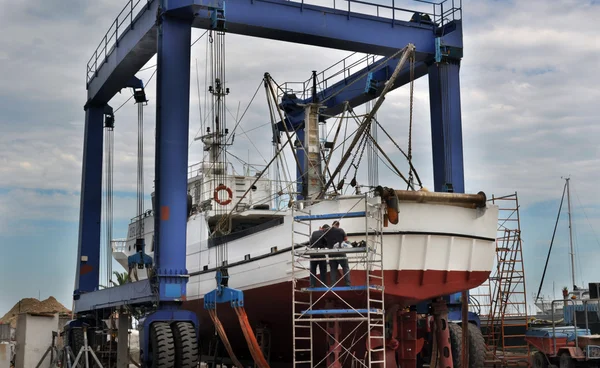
131 40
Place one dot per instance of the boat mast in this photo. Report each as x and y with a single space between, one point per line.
571 235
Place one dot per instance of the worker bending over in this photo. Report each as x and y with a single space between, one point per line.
336 238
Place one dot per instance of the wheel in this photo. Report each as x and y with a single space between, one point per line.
186 344
162 347
455 343
539 360
76 341
566 361
477 347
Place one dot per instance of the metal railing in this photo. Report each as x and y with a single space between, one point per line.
119 245
432 13
124 20
335 73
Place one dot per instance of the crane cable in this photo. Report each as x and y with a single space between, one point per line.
108 188
410 121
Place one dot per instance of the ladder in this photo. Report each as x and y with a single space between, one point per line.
348 320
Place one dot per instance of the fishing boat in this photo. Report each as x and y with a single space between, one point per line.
433 244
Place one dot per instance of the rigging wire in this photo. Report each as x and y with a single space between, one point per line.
410 121
551 243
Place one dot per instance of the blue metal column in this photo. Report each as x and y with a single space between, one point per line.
88 253
172 123
446 127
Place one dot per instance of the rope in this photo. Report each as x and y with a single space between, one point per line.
224 339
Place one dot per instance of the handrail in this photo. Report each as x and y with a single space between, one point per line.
124 19
442 12
119 245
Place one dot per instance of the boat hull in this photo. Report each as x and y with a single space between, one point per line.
271 306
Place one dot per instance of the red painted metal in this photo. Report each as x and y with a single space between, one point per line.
334 348
546 344
409 343
265 304
442 333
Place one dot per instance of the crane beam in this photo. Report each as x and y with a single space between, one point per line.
129 45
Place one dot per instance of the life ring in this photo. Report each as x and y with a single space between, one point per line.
216 195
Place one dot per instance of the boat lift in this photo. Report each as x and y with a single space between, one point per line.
146 28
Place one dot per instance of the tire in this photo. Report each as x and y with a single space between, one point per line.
566 361
162 347
76 341
539 360
477 347
186 345
455 344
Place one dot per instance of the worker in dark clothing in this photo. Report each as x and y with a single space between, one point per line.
317 241
335 238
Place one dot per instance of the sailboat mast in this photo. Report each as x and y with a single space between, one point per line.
571 234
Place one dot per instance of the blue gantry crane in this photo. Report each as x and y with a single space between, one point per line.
145 28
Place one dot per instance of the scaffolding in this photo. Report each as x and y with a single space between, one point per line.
334 325
502 300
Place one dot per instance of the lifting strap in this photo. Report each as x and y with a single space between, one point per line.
224 339
253 345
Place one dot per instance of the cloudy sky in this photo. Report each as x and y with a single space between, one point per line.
529 87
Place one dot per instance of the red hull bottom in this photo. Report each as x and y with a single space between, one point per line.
272 305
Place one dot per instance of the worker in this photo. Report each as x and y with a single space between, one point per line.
336 238
317 241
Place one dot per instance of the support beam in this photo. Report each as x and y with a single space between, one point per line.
115 62
446 126
88 252
172 124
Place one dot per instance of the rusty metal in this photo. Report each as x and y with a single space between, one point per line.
465 329
442 334
456 199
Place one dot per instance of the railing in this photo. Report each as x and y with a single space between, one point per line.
119 245
439 12
328 77
124 20
434 13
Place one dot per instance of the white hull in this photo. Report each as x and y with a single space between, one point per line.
428 237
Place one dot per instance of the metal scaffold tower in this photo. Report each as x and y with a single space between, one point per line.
335 325
502 300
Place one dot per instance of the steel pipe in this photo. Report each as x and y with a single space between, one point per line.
456 199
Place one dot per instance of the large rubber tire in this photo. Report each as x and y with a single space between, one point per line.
566 361
186 344
455 343
76 342
477 347
162 347
539 360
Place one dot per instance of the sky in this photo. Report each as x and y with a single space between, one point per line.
529 87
